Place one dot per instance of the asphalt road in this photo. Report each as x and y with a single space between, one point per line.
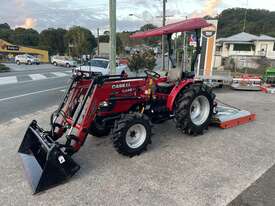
34 90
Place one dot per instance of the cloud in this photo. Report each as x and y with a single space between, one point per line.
210 8
93 14
29 23
19 3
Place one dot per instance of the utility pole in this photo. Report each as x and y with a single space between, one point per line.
97 41
112 16
163 36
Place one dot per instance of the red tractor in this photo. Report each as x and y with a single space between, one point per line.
126 107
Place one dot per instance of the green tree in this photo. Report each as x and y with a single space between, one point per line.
53 40
5 26
81 39
5 31
152 41
258 21
147 27
25 37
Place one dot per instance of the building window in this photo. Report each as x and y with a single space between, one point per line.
243 47
274 46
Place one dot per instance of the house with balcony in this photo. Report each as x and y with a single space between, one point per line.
247 50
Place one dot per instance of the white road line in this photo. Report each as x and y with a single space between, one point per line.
8 80
31 93
59 74
37 76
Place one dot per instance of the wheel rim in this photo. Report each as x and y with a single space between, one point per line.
199 110
136 136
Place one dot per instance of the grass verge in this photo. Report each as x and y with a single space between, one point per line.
4 68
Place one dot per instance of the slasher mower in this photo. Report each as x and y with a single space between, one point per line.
124 106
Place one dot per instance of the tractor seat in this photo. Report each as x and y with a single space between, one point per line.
172 77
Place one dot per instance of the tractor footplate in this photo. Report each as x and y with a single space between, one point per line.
228 117
45 164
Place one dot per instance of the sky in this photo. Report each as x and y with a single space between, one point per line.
93 14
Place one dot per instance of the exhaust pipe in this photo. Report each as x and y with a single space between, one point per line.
45 164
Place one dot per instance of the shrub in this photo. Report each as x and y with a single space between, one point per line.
139 61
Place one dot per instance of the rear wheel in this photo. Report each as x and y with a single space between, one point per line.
68 65
132 134
29 62
55 64
194 109
18 62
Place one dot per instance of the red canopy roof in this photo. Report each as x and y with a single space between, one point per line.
186 25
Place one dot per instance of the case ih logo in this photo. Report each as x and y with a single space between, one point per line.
123 85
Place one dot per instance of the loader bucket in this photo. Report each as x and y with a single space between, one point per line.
45 164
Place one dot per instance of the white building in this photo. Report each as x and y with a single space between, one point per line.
246 49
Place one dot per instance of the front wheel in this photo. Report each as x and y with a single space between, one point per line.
194 109
132 134
18 62
99 131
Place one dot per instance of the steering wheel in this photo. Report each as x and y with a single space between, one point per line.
152 74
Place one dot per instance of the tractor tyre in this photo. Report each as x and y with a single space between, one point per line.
194 109
99 131
132 134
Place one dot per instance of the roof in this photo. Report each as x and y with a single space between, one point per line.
241 37
246 37
186 25
265 38
4 42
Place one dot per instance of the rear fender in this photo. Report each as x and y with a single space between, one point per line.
174 93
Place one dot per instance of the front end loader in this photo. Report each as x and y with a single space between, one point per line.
124 106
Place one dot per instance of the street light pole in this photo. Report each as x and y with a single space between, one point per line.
112 16
163 36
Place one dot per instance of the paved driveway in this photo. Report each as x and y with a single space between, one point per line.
176 170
